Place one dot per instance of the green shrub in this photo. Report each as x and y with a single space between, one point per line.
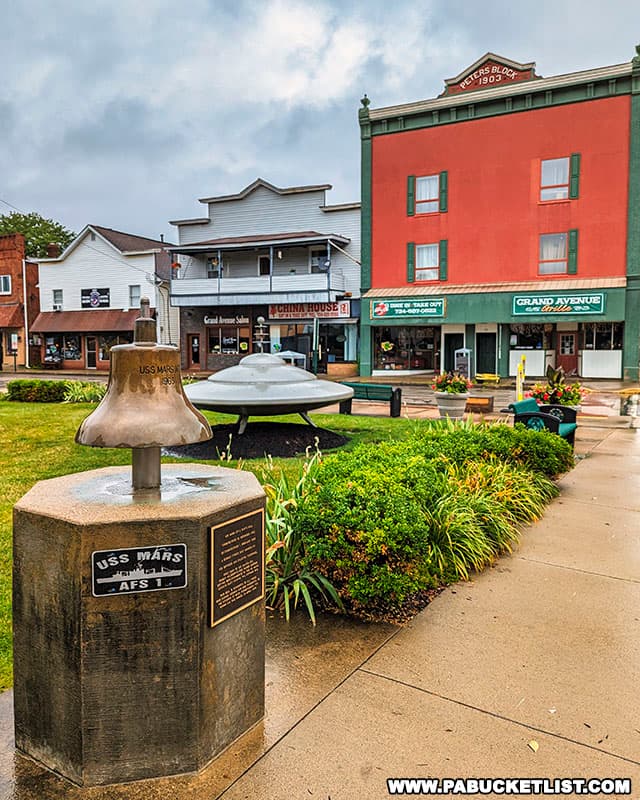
36 391
83 391
388 521
540 451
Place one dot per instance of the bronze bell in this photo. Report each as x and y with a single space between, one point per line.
145 406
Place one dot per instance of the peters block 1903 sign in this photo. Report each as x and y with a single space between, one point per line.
591 303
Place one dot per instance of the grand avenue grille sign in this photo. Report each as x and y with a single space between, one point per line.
558 304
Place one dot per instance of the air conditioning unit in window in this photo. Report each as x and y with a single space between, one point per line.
57 306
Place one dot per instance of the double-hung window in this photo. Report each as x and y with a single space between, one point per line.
427 194
5 284
560 178
134 296
558 253
427 262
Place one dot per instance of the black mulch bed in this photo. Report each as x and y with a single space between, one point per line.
277 439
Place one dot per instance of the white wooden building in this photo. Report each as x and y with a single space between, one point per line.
90 296
278 253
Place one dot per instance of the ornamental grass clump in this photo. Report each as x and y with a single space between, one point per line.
452 383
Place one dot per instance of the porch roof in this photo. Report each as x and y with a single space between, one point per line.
95 321
260 240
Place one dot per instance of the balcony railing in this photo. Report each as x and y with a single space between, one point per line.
263 287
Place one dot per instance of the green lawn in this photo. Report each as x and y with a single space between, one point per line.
37 442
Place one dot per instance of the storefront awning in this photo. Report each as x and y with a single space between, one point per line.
11 317
111 321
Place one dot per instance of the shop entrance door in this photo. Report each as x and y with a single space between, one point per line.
567 355
92 347
193 351
452 342
485 352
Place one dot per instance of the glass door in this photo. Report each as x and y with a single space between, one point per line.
92 349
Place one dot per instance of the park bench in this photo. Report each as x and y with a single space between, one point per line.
487 377
373 391
554 418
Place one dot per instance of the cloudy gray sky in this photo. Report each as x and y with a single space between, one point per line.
123 112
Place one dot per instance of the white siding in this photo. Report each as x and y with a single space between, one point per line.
266 212
96 264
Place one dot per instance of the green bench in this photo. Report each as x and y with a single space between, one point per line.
373 391
557 419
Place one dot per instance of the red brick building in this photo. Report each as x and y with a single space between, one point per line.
19 302
502 216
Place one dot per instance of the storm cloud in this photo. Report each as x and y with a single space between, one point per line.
124 114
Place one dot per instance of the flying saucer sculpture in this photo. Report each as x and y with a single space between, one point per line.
263 385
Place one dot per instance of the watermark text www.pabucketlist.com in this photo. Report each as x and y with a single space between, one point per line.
509 786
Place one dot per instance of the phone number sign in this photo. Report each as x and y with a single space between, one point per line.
425 307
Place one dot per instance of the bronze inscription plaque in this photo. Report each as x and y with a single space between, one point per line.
237 565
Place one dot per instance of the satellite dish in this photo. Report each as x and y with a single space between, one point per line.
323 266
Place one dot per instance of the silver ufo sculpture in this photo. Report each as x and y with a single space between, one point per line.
263 385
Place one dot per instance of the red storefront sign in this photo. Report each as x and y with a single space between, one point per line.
490 73
338 310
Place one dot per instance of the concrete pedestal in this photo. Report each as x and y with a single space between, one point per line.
134 683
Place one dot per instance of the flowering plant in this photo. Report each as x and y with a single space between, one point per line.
386 346
556 391
569 394
451 382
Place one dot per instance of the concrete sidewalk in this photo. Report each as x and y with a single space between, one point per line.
530 670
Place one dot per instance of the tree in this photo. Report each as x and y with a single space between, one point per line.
38 232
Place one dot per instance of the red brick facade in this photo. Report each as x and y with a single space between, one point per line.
13 268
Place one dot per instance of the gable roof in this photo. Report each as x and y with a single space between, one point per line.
127 242
265 184
122 242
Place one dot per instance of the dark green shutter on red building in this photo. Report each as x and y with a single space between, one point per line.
444 191
411 262
444 253
411 195
574 176
572 263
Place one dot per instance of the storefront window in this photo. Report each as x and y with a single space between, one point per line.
602 335
529 337
407 348
71 348
105 343
229 339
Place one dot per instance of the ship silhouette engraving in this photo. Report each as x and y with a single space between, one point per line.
136 574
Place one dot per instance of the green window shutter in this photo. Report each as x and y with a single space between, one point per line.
411 195
444 248
574 176
411 262
444 181
572 262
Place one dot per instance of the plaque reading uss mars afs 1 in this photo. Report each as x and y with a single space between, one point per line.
139 569
237 565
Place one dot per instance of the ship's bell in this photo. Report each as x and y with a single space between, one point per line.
145 405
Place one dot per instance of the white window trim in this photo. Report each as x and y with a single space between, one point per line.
317 249
4 278
267 256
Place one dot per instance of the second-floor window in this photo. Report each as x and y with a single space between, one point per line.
134 296
5 284
264 265
558 253
560 178
427 262
57 298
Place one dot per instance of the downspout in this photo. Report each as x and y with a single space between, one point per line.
26 315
